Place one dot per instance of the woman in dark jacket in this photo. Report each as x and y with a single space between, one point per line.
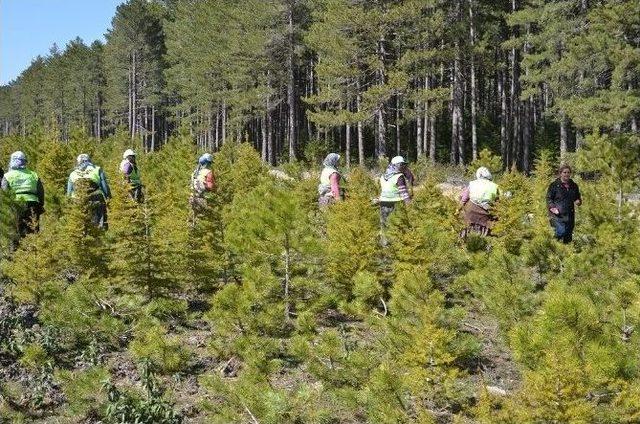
562 196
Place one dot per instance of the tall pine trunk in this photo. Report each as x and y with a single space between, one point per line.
457 140
291 89
360 130
474 131
398 147
419 123
504 119
381 149
564 135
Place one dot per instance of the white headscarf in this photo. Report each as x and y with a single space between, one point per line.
484 173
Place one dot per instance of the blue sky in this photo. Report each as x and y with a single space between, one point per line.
29 28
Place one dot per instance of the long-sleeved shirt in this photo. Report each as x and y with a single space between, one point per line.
334 179
563 197
403 188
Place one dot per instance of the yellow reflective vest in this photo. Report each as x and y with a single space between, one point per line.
389 191
24 184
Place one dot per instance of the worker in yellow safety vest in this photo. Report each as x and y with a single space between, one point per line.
92 179
28 191
394 187
476 200
131 174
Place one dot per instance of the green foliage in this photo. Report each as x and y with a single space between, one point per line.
80 389
422 234
420 354
143 259
487 159
34 356
34 268
165 352
8 223
131 406
351 243
82 312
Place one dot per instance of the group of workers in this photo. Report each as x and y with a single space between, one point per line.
476 200
89 178
396 186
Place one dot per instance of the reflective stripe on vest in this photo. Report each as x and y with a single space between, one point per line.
482 191
91 173
24 184
389 189
324 188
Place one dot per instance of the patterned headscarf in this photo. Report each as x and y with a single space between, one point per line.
331 160
18 160
83 161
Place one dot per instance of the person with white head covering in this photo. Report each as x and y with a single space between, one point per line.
28 191
92 179
329 189
203 182
477 200
394 187
131 174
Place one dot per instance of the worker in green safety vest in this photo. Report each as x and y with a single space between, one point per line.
476 200
91 178
394 187
129 169
28 191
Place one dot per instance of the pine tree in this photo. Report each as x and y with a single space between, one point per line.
140 260
351 242
8 223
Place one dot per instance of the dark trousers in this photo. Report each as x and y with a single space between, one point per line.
563 230
385 210
29 219
137 194
98 207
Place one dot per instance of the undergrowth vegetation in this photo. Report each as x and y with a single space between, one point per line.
262 308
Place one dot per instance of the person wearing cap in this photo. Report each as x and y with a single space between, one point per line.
329 189
476 200
28 191
129 169
92 178
203 181
394 187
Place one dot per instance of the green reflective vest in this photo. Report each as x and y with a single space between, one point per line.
389 189
324 188
483 192
134 177
91 173
24 184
